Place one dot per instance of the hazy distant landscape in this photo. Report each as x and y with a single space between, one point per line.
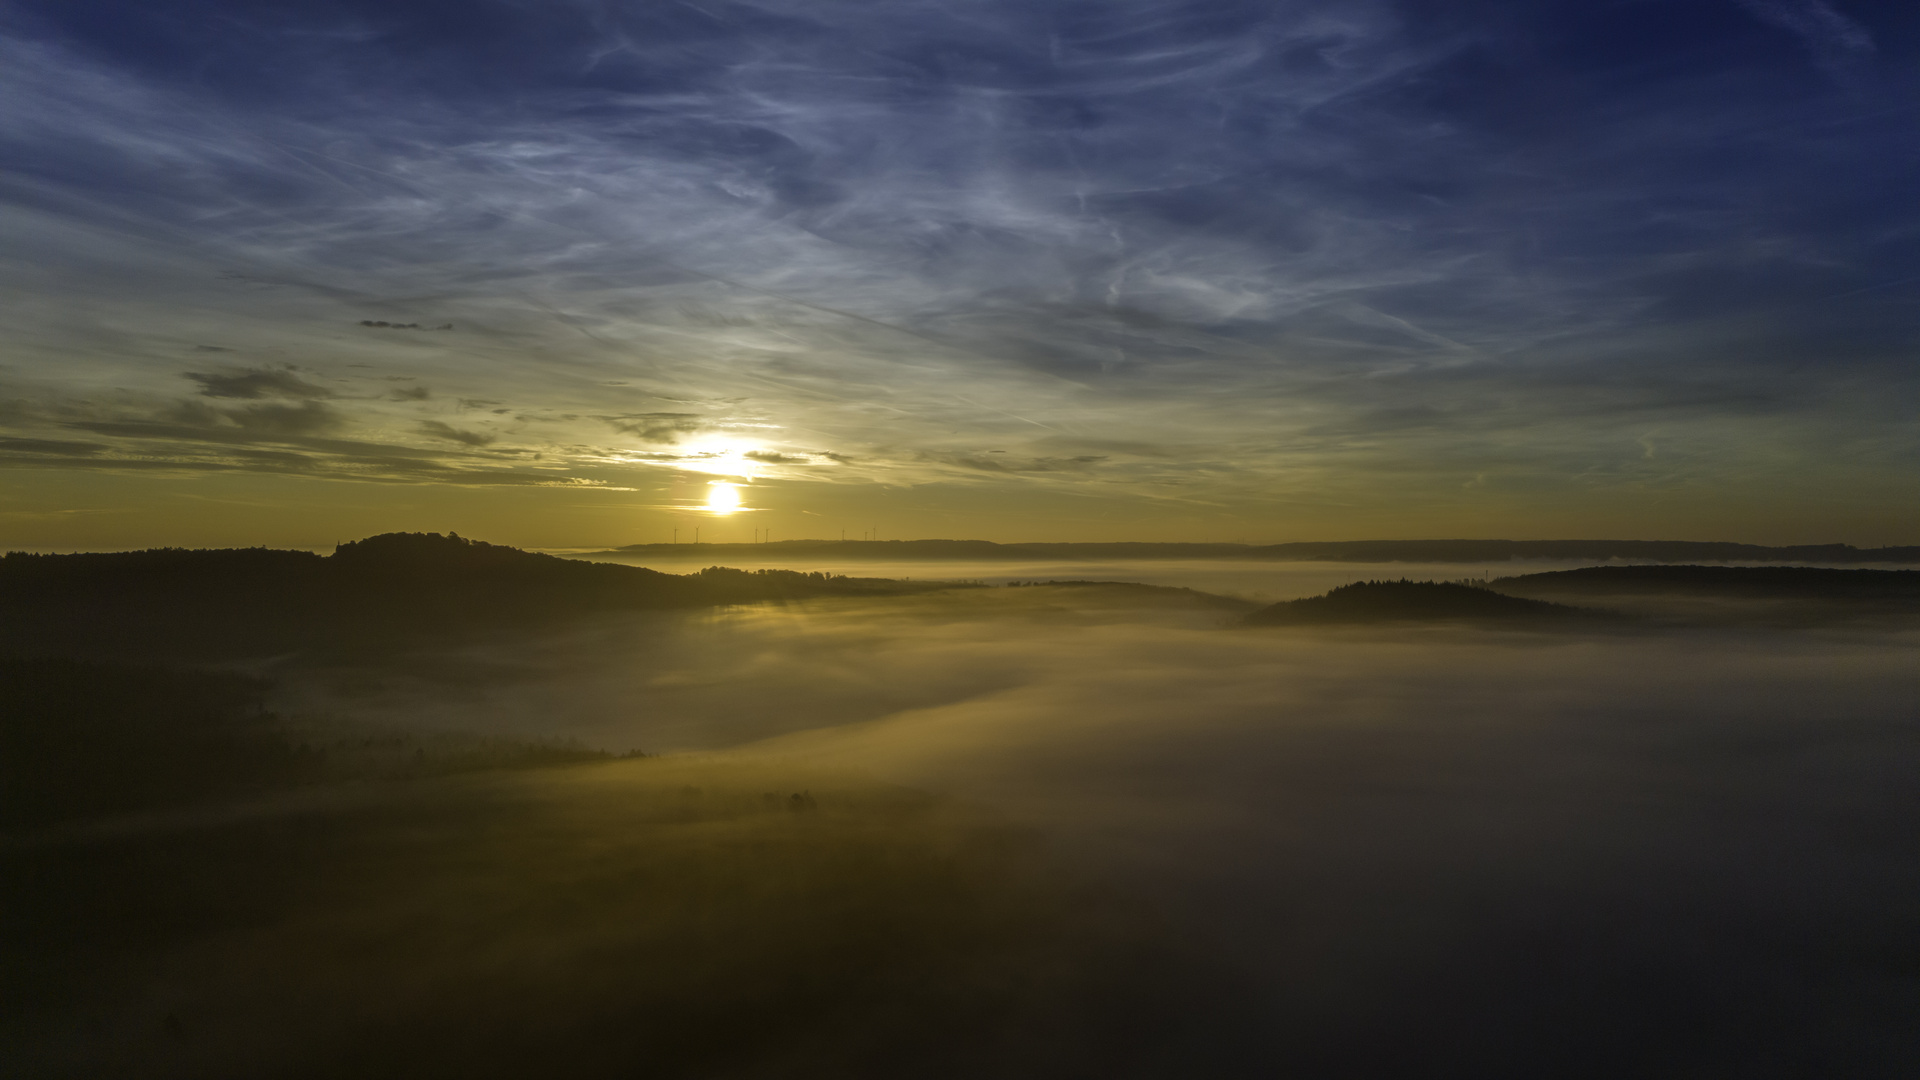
959 540
1364 551
439 806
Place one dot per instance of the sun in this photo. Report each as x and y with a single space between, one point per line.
723 499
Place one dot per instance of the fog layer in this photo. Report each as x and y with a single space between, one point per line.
1254 579
1505 852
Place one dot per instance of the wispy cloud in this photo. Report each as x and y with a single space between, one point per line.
256 383
1264 240
1840 45
438 430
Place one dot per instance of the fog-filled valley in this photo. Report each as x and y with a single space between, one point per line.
959 540
1045 826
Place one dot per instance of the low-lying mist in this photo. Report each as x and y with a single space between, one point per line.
1263 580
1422 849
1041 830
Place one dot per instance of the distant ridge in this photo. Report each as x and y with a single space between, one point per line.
1770 582
1429 551
1414 601
368 594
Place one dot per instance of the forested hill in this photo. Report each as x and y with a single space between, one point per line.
1415 601
369 591
1427 551
1769 582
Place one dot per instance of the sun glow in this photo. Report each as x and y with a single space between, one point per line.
723 499
717 457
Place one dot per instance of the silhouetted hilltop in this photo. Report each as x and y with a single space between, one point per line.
23 574
436 553
1430 551
368 592
399 576
1798 582
1408 601
474 575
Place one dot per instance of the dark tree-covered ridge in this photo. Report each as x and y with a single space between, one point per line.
367 594
1411 601
1796 582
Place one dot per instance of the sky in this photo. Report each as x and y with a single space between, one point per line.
576 273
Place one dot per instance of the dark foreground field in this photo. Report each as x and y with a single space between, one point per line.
1058 830
637 918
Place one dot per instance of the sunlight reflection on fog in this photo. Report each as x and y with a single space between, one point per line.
1352 816
1253 579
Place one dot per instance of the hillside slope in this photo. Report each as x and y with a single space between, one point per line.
1411 601
1799 582
367 594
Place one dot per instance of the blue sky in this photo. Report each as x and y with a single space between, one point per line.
1020 270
